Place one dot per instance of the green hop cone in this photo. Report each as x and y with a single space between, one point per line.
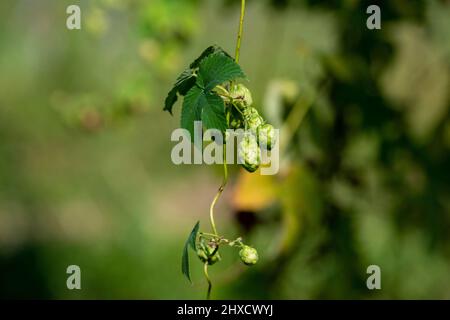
266 136
249 153
242 96
253 119
248 255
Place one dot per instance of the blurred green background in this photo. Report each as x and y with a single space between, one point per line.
86 176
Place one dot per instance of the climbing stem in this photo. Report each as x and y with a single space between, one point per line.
205 270
225 168
219 192
241 27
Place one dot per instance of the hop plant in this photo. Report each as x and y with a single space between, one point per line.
213 95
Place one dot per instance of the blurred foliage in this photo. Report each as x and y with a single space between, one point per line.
85 168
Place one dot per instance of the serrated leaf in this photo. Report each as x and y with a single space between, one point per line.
186 80
213 116
190 242
216 69
183 84
192 109
207 52
215 66
205 106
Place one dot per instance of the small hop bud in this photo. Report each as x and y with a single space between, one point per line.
248 255
202 255
249 153
213 259
242 95
234 119
208 254
236 123
266 136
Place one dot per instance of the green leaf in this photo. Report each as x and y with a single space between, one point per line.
205 106
207 52
193 236
183 84
192 109
216 69
186 80
213 116
190 242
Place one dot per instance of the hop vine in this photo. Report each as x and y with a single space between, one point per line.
212 94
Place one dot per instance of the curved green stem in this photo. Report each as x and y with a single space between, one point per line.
224 91
225 95
205 270
219 192
211 235
241 27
